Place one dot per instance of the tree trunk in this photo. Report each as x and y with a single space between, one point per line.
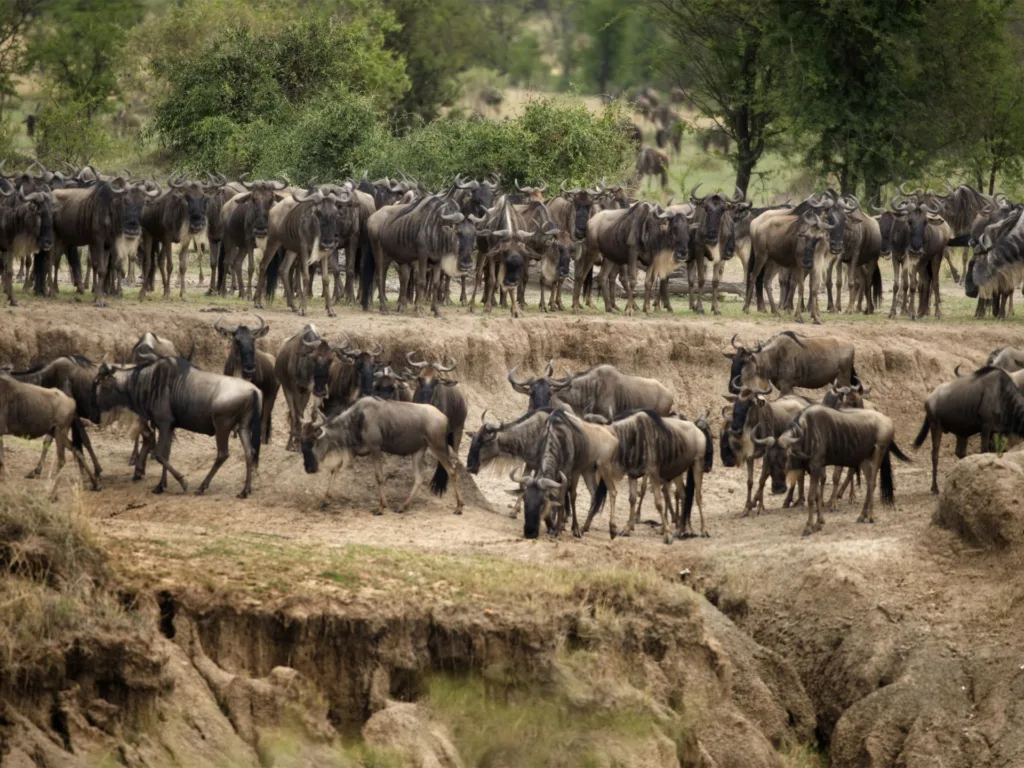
992 178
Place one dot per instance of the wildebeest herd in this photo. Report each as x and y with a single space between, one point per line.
600 425
355 230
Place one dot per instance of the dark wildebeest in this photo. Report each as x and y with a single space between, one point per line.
606 391
353 214
926 247
177 217
306 228
303 368
351 377
661 450
73 375
443 393
788 361
388 385
894 234
632 132
245 219
998 263
556 252
373 427
30 411
820 437
171 394
653 162
987 402
713 236
516 442
252 364
754 416
430 232
571 211
26 228
571 449
220 192
106 217
540 389
1001 300
510 247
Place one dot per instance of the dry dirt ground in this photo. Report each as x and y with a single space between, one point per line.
908 643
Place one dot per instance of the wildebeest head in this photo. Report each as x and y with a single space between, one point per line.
34 217
483 448
744 365
363 362
560 244
107 394
428 378
129 202
538 389
791 440
316 355
748 409
243 344
325 210
845 397
539 494
193 194
582 207
325 443
674 231
812 236
919 217
388 385
715 207
259 198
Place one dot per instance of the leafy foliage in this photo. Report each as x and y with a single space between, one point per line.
66 132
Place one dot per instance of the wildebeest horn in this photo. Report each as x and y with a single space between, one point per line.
762 391
876 208
155 192
477 220
809 218
35 197
733 342
7 193
902 188
518 385
736 383
222 330
548 484
175 181
738 197
693 195
956 371
378 348
263 323
949 189
453 217
559 384
549 370
414 363
901 206
279 185
312 196
932 208
767 442
486 425
446 368
518 480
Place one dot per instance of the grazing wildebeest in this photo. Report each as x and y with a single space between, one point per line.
252 364
662 450
306 228
106 217
441 392
245 219
754 416
428 233
26 228
351 377
176 217
1010 359
788 361
820 437
540 389
606 391
303 368
172 395
30 411
73 375
373 427
987 402
653 162
516 442
572 448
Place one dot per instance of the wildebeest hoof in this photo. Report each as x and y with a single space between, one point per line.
458 511
816 321
324 504
32 475
158 489
376 512
576 534
667 539
200 491
623 534
101 304
705 535
807 531
332 313
242 495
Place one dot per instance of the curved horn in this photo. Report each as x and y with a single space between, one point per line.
518 385
762 391
876 208
378 348
486 425
932 208
222 330
739 197
549 370
733 342
736 383
956 371
456 217
414 363
520 480
278 185
446 368
693 194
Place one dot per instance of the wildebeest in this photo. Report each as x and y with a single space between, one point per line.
820 437
653 162
539 389
441 392
987 402
73 375
26 228
303 368
662 450
388 385
998 264
572 448
714 241
106 217
428 233
554 247
1000 296
518 442
373 427
894 234
1010 359
245 219
220 192
606 391
926 247
171 394
176 217
351 376
306 228
252 364
30 411
755 417
788 361
353 214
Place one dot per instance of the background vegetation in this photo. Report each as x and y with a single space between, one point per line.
859 93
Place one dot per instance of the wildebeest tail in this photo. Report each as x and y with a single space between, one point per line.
75 263
691 486
273 271
40 266
77 434
854 378
899 454
600 494
256 429
709 447
220 267
439 482
888 490
367 268
923 433
876 284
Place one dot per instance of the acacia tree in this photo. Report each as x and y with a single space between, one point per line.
719 57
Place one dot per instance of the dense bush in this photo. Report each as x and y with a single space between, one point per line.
65 131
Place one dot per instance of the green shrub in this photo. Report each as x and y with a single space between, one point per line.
65 131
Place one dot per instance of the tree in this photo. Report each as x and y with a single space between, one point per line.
78 44
16 18
718 55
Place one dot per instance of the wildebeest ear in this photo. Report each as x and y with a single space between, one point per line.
730 355
244 197
261 332
449 382
731 398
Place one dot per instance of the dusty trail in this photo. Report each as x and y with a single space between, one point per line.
912 635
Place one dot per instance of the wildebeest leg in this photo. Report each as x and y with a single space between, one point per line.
583 266
378 473
814 501
42 459
87 444
326 281
698 496
222 455
449 461
286 279
8 274
716 277
749 505
837 473
269 251
250 254
759 498
936 270
631 521
659 504
949 260
164 262
813 298
871 466
3 471
895 285
936 431
162 453
183 250
62 442
421 286
610 478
